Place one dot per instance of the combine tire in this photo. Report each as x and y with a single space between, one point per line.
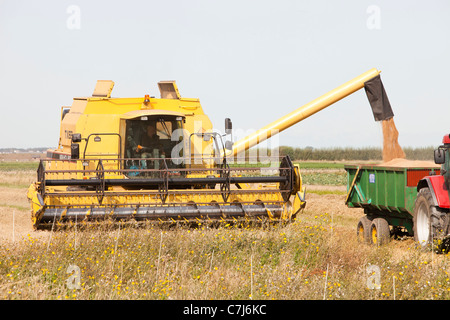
428 221
363 230
380 233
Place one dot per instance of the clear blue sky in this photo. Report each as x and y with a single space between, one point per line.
252 61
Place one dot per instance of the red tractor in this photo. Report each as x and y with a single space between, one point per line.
432 206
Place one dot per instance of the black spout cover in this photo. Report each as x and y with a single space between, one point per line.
378 99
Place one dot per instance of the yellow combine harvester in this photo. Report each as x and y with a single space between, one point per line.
159 158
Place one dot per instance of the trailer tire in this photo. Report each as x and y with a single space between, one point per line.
380 233
428 221
363 230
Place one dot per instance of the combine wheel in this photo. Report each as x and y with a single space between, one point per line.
428 221
363 230
380 233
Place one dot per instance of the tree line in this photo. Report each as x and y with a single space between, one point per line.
348 153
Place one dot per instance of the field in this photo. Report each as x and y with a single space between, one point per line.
315 257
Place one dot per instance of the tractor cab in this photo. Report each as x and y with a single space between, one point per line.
151 137
442 157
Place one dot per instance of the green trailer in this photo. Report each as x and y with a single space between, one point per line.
387 193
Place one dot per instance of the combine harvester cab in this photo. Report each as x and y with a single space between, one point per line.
153 159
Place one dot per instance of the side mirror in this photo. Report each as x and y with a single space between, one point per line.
75 151
439 156
228 126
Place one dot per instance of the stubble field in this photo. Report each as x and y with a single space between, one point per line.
316 256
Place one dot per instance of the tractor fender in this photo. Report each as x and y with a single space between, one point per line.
438 190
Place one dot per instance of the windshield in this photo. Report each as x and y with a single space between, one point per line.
151 136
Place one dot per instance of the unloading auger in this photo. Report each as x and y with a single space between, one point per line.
150 158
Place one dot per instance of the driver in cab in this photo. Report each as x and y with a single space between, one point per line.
151 146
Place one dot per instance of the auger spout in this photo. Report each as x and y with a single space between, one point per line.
303 112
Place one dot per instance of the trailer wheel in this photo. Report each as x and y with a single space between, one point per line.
363 230
428 221
380 233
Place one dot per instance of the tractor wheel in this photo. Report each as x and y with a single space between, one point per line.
428 221
363 230
380 233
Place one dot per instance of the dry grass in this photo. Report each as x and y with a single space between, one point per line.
311 258
17 178
315 257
